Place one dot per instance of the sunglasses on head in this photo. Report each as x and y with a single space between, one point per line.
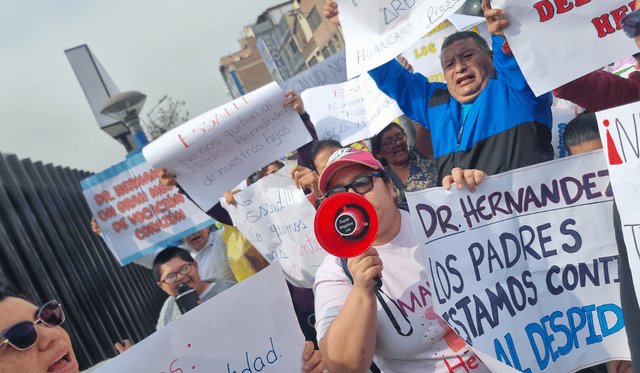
24 334
631 24
361 185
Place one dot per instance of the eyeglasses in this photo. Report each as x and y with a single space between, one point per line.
631 24
24 334
172 277
391 142
361 185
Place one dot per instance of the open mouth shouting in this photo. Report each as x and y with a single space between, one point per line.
64 363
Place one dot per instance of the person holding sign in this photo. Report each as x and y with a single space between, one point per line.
353 329
485 117
32 340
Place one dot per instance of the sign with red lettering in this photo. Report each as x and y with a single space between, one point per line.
277 219
214 151
351 111
619 129
248 328
136 213
525 269
557 41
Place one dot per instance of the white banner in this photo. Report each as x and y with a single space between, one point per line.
425 54
529 275
250 327
213 152
556 42
378 30
619 129
277 219
332 70
350 111
136 213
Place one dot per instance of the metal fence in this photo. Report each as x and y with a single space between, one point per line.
47 249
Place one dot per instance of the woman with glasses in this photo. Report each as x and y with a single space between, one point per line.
353 327
409 169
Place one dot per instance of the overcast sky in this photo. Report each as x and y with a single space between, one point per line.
155 47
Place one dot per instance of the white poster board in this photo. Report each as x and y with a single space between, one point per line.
332 70
213 152
351 111
376 31
250 327
619 129
525 269
277 219
137 214
556 42
425 54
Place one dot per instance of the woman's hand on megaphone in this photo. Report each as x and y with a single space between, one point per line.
364 269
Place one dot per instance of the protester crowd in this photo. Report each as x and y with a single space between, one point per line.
484 120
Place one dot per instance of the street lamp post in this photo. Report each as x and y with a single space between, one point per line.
126 108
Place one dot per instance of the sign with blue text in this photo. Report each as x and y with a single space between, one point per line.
525 269
619 128
137 214
250 327
277 219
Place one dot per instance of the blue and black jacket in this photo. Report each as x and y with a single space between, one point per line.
507 126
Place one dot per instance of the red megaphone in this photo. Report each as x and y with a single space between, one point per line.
346 225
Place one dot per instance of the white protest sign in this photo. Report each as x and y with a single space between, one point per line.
425 54
213 152
137 214
525 269
378 30
351 111
277 219
332 70
619 129
250 327
556 42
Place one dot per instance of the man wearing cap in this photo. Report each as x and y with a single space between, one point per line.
353 329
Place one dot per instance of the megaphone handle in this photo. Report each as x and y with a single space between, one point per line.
378 283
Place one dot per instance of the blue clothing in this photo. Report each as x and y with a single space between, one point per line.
506 118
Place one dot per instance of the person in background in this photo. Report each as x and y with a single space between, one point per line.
408 168
307 177
581 134
32 340
211 255
174 266
485 117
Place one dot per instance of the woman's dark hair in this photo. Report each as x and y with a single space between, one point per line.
8 290
317 146
263 170
168 254
377 139
581 129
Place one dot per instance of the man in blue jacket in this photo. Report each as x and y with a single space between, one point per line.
485 117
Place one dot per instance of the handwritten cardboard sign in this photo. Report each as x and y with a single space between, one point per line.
332 70
619 129
378 30
136 213
277 219
351 111
529 275
248 328
213 152
556 42
425 54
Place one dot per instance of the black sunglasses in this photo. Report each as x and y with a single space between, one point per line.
631 24
24 334
360 185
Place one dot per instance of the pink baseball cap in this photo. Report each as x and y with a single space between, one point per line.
346 157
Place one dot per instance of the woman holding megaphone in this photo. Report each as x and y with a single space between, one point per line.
361 321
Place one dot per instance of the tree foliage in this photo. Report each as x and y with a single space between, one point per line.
163 118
